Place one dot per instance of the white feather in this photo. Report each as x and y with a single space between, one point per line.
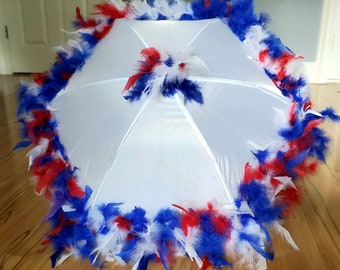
111 244
38 150
146 245
295 68
248 257
95 219
253 41
67 208
174 72
285 182
63 259
189 242
284 233
314 112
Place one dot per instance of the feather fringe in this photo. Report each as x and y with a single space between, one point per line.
268 190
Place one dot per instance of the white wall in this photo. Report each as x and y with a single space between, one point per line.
297 23
310 28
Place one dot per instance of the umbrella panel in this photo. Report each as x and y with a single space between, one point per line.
161 151
116 56
158 151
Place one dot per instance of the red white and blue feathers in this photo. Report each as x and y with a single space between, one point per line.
269 189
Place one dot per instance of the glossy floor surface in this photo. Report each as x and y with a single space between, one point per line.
314 225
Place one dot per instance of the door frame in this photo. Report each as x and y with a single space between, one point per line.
5 52
317 71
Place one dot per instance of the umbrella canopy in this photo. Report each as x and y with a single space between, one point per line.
154 138
177 152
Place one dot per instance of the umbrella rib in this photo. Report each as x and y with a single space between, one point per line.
146 45
81 139
269 90
121 146
197 34
105 81
204 143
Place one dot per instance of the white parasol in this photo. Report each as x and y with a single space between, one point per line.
173 137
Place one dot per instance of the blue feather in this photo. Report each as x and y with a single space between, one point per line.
320 146
330 113
161 17
167 220
138 220
169 62
275 46
211 244
255 194
291 164
56 255
143 263
58 146
191 91
109 211
261 155
144 17
22 144
46 159
255 242
28 103
128 249
215 9
151 3
186 17
242 17
91 40
140 87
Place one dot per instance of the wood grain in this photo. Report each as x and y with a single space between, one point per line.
314 225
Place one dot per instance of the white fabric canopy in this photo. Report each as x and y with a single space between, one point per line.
160 151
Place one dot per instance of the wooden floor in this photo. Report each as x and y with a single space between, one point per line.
314 225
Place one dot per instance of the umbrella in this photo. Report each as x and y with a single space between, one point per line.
155 137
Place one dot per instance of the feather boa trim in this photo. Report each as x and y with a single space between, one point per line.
208 234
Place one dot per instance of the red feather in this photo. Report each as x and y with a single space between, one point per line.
189 219
131 81
111 11
289 198
222 224
311 125
122 223
152 58
263 55
89 23
206 263
74 189
307 105
100 35
66 76
292 115
41 119
275 183
40 78
47 172
251 173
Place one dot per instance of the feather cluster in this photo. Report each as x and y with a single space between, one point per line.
206 234
165 73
